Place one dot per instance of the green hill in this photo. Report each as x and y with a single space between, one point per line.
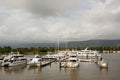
69 44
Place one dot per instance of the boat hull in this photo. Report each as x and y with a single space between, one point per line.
14 63
102 64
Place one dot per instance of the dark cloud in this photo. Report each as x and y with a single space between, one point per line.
44 7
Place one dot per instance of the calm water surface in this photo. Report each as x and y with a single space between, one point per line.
86 71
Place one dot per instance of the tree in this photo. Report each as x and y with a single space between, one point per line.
6 49
1 51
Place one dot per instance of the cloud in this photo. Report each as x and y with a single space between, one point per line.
44 7
45 20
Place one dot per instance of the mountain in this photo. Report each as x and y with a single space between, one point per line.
28 45
69 44
94 43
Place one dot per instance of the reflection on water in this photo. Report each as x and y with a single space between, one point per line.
34 69
74 74
86 71
13 70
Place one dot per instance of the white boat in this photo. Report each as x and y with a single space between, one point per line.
36 61
58 56
88 53
72 61
15 63
49 57
102 63
63 64
86 60
14 60
1 59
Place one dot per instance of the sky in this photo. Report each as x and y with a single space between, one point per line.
48 20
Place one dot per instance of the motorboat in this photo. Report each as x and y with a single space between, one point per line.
14 60
102 63
72 61
86 60
36 61
1 59
52 57
88 53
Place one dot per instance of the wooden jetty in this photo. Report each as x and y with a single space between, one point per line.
45 63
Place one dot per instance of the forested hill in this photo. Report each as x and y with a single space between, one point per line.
94 43
69 44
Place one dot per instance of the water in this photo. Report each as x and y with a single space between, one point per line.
86 71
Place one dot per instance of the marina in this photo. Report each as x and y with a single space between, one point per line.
67 59
54 72
59 40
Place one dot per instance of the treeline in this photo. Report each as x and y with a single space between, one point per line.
32 50
44 50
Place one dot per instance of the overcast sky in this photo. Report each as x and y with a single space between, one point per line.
45 20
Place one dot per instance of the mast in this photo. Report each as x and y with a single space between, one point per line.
58 44
66 45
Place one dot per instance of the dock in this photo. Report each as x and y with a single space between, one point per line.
45 63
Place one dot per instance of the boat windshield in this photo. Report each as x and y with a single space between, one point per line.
72 60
